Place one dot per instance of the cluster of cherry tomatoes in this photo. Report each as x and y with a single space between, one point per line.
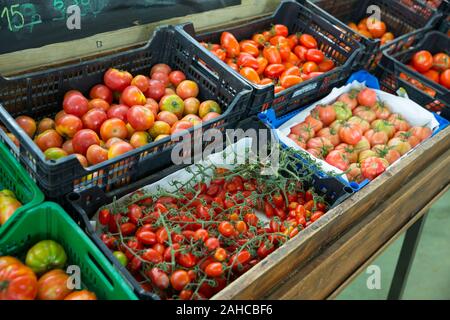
41 277
273 57
357 134
123 114
192 243
372 28
434 67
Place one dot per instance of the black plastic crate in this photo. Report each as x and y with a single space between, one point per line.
40 94
337 44
406 19
395 72
83 205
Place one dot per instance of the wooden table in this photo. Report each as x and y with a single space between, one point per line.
324 258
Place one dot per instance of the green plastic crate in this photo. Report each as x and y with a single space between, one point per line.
14 177
49 221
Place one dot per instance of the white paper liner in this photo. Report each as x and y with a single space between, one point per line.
410 111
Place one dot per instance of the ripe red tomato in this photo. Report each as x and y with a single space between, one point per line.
377 28
350 133
75 103
250 74
280 30
153 256
372 167
102 92
230 44
239 260
159 278
274 71
288 81
315 55
338 159
325 113
432 74
94 119
247 60
220 254
83 139
314 122
226 229
214 269
250 47
113 128
117 80
104 216
310 67
140 118
308 41
422 61
445 79
81 295
326 65
18 281
53 285
441 62
367 97
272 54
179 279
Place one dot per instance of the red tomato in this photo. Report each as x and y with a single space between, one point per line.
376 27
214 269
18 281
338 159
310 67
445 79
350 133
367 97
117 80
308 41
433 75
250 74
315 55
274 71
372 167
53 285
314 122
230 44
288 81
293 41
187 260
102 92
300 52
104 216
247 60
326 65
272 54
220 254
179 279
441 62
226 229
81 295
240 260
422 61
153 256
325 113
159 278
280 30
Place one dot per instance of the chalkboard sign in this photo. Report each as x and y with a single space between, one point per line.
32 24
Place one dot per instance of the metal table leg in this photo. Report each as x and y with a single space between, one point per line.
407 253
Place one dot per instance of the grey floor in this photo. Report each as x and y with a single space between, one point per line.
429 277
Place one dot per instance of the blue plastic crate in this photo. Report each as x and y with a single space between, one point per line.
269 118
